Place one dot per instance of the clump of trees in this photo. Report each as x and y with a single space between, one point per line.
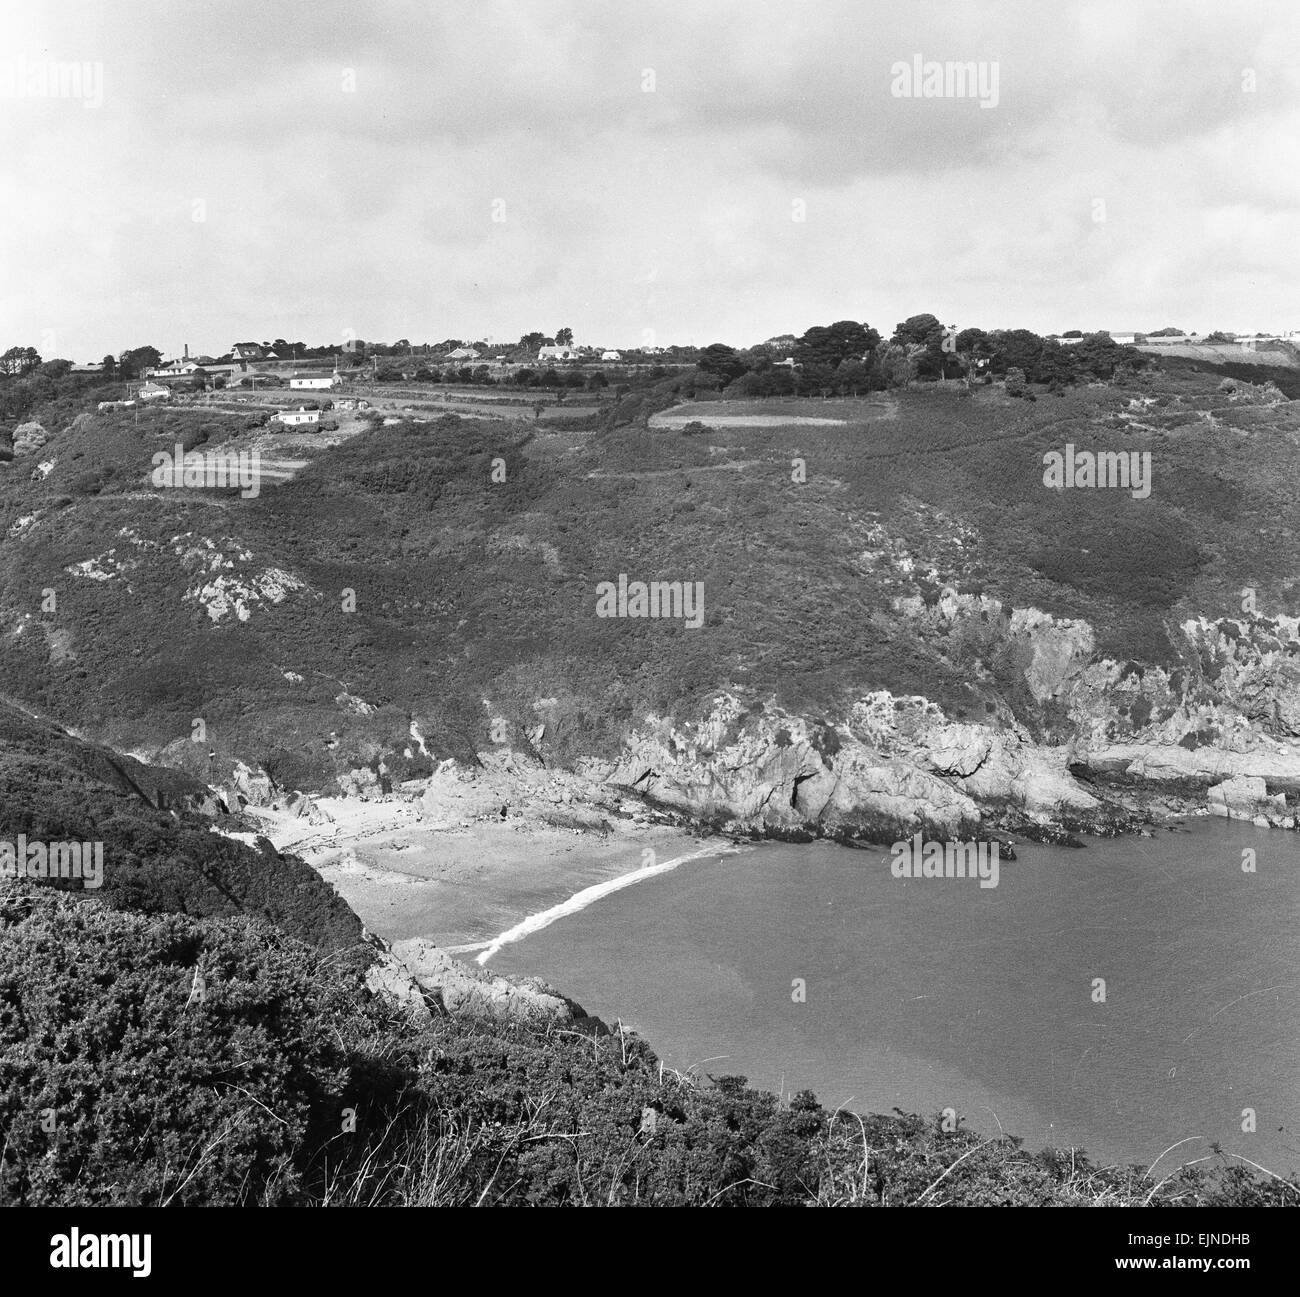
849 358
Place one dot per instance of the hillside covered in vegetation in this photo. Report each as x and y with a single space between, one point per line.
443 575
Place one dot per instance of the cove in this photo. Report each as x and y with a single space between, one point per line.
927 994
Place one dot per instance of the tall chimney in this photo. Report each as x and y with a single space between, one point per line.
187 351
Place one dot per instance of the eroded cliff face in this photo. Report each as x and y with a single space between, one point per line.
892 766
1221 731
1072 742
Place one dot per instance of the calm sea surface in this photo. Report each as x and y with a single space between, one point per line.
933 993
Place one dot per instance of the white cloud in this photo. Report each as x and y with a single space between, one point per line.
326 210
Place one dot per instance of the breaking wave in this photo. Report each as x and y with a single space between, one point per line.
590 895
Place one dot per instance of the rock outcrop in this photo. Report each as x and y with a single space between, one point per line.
29 438
892 767
390 979
476 992
454 797
1246 797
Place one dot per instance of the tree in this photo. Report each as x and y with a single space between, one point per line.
972 347
852 376
133 363
721 360
55 368
1055 365
109 366
1015 382
1099 355
830 345
18 361
924 332
531 343
564 337
894 363
973 342
1015 349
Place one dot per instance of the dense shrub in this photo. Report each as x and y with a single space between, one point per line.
175 1061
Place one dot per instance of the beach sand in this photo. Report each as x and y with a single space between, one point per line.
459 888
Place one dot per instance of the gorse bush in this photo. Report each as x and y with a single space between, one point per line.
147 1060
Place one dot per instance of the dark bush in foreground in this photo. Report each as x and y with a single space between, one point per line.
155 1060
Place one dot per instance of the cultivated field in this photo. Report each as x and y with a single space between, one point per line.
777 412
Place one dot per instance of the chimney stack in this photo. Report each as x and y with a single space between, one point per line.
187 351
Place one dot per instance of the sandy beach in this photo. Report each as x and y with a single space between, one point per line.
461 887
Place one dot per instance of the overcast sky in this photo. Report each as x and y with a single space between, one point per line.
323 170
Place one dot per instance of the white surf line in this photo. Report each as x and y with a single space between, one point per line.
590 895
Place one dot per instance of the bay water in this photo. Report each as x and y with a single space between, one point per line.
1133 999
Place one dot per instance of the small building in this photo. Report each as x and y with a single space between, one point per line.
312 382
154 392
788 363
554 353
464 353
293 418
247 351
174 369
610 355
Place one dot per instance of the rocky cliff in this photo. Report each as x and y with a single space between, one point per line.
1221 730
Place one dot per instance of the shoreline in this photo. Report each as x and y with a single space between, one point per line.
462 888
588 896
475 885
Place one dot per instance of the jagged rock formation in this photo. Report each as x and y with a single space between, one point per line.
391 980
463 989
893 766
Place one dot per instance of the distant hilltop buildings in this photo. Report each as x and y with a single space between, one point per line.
308 368
558 352
1176 338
